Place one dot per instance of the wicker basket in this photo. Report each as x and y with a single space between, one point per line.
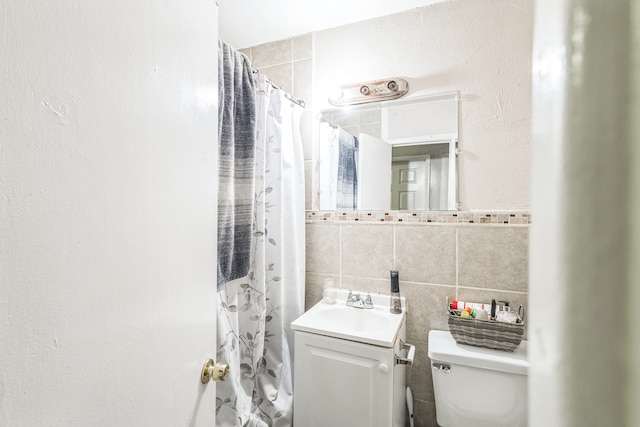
485 333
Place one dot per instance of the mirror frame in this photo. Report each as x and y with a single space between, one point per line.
450 138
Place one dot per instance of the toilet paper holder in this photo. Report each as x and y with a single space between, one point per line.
410 355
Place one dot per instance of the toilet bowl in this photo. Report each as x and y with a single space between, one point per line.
477 386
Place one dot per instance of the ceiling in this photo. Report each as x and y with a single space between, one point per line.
245 23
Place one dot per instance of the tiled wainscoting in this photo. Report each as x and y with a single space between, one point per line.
455 255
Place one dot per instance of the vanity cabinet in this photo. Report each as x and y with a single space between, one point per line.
343 383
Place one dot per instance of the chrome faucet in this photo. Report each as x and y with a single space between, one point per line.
355 300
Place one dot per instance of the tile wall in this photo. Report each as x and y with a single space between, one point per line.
289 64
466 261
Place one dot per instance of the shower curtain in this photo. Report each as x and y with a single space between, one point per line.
255 311
339 168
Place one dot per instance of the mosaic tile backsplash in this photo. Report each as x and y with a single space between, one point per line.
436 217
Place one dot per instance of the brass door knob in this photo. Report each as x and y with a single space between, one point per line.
214 371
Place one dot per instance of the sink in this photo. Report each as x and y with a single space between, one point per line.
359 320
377 325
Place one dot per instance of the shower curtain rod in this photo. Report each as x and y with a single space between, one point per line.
299 102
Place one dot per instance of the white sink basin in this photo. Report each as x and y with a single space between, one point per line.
377 325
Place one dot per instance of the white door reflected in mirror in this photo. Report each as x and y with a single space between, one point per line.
410 184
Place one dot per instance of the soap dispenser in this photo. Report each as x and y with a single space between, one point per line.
395 305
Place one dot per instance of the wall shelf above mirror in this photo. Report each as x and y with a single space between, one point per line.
391 155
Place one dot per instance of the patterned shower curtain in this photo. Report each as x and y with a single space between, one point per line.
254 312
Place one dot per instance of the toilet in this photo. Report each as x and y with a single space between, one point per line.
477 386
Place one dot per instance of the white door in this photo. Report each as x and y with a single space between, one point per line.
410 184
374 173
107 213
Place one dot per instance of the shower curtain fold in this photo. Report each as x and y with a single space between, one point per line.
339 157
328 165
254 311
347 197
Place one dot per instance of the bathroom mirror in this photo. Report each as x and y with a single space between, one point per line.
403 156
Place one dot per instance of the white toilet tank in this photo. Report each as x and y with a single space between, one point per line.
477 386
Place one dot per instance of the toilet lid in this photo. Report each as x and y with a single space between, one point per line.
443 348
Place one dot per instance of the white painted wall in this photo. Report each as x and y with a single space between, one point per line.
480 48
585 237
279 19
107 212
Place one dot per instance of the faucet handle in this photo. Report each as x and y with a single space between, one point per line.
368 302
351 298
354 300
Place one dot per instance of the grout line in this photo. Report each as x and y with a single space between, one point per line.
393 252
443 285
495 290
406 282
410 282
340 255
291 45
278 64
457 264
